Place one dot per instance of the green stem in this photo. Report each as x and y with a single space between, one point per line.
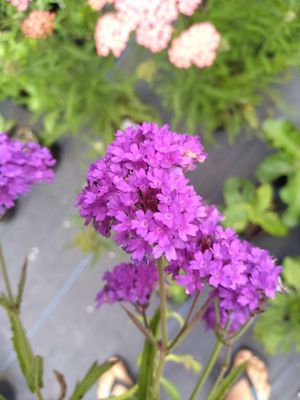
189 326
5 277
222 372
163 328
208 369
39 394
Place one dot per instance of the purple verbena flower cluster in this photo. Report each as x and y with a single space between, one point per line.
129 282
139 193
21 166
242 276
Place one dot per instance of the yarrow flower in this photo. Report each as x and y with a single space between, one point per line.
132 283
139 193
188 7
39 24
197 45
151 20
111 35
21 166
21 5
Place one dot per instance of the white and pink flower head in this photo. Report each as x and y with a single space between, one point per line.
39 24
196 46
21 5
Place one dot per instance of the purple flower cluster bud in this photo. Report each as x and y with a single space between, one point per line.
129 282
21 166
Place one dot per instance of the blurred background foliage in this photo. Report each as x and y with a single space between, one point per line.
260 43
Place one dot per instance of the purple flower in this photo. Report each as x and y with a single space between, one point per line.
21 166
132 283
138 192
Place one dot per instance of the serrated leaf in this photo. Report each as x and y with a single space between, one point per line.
91 377
238 190
186 360
264 194
148 356
21 345
228 381
283 135
170 388
275 166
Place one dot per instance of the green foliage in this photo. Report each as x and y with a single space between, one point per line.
246 204
285 137
186 360
228 381
278 328
175 292
31 365
61 79
259 45
170 388
145 379
91 377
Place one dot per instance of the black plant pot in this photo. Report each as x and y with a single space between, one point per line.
7 390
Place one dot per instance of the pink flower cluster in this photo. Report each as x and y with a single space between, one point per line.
198 45
150 19
38 24
21 5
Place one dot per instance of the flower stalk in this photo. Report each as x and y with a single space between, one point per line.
163 328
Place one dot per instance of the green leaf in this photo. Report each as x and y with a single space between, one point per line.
290 195
270 222
227 382
129 395
238 190
91 377
2 397
291 272
186 360
170 388
177 316
264 195
236 216
147 364
35 374
278 328
21 284
275 166
284 135
22 347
